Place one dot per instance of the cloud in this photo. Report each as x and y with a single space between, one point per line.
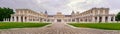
114 11
81 5
64 6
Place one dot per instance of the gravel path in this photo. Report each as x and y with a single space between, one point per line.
57 28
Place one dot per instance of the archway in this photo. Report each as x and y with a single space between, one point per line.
59 20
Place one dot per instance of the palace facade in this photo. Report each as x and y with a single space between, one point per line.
93 15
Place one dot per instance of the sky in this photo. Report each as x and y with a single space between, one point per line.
64 6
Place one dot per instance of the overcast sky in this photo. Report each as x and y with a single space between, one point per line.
64 6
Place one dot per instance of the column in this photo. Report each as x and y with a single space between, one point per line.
32 19
19 18
98 18
87 19
79 20
70 20
46 20
103 18
93 19
38 19
4 20
113 18
49 20
8 20
83 20
23 18
75 20
27 20
11 19
35 19
15 19
109 19
43 20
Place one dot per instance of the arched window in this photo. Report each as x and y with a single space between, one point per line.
100 19
17 18
111 18
21 18
13 18
25 18
73 20
95 19
106 19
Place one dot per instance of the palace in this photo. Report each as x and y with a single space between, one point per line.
93 15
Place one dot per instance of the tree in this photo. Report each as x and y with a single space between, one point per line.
5 13
118 17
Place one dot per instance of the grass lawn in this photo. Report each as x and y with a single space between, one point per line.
8 25
106 26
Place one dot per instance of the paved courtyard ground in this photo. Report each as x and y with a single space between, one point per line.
58 28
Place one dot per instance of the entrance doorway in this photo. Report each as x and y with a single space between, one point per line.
59 20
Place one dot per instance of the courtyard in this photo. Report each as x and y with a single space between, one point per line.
58 28
60 17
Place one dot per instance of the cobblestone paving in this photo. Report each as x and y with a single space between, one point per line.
58 28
